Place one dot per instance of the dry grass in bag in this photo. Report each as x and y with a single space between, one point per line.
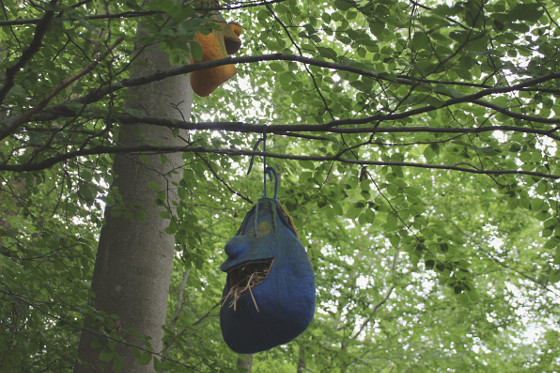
244 278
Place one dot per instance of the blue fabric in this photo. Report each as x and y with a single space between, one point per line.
285 299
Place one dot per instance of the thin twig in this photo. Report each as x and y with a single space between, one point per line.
28 52
222 180
95 332
62 85
383 301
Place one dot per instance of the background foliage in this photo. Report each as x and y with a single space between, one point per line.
417 149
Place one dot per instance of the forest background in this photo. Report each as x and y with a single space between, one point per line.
417 149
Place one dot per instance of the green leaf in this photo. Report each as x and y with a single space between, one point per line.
172 228
391 222
515 147
118 363
106 355
145 358
277 67
353 212
327 52
285 78
554 276
343 4
196 51
421 41
528 12
165 214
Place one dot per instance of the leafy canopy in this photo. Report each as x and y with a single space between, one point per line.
417 148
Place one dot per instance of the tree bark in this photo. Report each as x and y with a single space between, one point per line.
301 364
134 260
245 362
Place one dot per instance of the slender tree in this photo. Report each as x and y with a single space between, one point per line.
135 255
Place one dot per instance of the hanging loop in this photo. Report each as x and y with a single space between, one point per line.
270 171
267 171
253 156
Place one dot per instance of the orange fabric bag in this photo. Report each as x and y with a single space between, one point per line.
220 43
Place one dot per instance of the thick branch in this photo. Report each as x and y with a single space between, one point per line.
133 14
331 127
245 152
32 21
57 111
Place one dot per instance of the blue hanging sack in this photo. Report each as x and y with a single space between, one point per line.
269 296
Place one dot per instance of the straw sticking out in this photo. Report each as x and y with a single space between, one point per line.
244 278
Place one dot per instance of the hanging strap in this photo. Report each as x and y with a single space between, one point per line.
267 170
270 171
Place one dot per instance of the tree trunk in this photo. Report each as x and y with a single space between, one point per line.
134 260
245 362
301 364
